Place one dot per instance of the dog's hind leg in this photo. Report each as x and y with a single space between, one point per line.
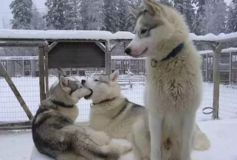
200 141
188 122
99 137
155 125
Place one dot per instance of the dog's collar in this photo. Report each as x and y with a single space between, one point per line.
58 103
172 54
104 101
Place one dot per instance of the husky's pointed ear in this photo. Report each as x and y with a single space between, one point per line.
61 73
133 10
151 6
63 81
114 76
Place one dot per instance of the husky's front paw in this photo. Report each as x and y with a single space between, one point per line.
125 149
121 148
201 143
101 138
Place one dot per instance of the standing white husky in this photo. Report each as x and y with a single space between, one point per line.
114 114
174 79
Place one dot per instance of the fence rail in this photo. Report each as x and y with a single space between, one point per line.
219 75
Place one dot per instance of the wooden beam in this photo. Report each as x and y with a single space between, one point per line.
51 46
21 44
216 47
101 46
8 124
107 58
4 73
206 67
30 40
230 68
15 128
42 73
46 72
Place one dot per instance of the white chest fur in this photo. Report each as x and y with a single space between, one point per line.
71 113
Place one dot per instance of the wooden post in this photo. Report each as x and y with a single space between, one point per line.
41 73
107 58
230 69
47 50
23 68
15 91
46 72
216 77
207 67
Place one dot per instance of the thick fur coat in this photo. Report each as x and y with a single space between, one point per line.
174 78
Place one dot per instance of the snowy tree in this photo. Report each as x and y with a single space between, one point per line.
58 16
185 7
166 2
215 13
22 15
178 4
130 20
37 22
122 15
232 17
110 12
200 19
74 14
91 12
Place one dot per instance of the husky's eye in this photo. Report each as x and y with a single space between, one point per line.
96 80
143 31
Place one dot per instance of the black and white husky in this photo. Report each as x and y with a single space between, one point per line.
55 134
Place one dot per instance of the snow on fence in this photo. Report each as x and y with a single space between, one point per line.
220 78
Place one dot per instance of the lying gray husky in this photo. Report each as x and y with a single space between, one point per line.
114 114
55 134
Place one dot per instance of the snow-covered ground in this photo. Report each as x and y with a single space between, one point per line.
222 135
10 109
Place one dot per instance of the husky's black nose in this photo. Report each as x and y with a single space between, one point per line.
83 81
128 51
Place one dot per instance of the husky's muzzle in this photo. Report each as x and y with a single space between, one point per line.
89 95
91 91
128 51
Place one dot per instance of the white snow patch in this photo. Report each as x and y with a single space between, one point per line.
227 50
124 57
63 34
222 37
221 133
54 34
95 35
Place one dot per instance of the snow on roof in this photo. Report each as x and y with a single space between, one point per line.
93 35
227 50
63 34
124 57
214 38
123 35
54 34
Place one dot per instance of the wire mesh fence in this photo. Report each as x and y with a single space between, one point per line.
24 73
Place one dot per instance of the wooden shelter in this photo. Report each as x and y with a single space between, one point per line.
64 49
88 49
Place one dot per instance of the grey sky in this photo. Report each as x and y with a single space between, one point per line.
5 12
